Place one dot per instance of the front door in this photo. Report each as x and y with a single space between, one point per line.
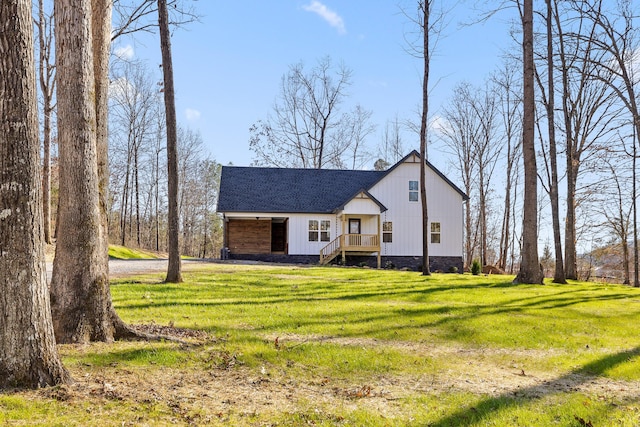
354 225
278 236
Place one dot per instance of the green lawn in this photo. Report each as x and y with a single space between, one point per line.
293 346
122 252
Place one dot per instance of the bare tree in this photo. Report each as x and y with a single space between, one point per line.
132 16
159 146
424 7
190 150
460 130
587 113
617 41
174 268
549 103
509 106
391 148
349 143
530 271
428 26
305 116
617 210
486 151
200 178
470 131
46 72
134 110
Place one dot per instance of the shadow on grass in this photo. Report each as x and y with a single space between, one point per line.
488 407
421 316
156 355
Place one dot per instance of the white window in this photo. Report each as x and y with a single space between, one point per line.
325 231
413 191
387 232
435 232
313 230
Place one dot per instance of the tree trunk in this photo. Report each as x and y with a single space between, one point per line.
47 82
570 255
530 271
482 216
425 4
558 275
101 44
156 201
174 268
46 172
136 176
29 357
634 173
80 296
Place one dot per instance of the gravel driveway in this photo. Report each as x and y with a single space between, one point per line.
120 267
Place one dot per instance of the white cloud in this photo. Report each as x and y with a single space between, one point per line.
327 14
122 90
439 124
192 115
124 52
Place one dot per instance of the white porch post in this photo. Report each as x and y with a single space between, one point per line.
342 240
379 243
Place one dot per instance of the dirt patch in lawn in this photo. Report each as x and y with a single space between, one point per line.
480 374
225 388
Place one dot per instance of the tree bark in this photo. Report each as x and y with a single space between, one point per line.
101 11
634 173
425 5
530 271
570 256
174 268
558 274
80 296
28 354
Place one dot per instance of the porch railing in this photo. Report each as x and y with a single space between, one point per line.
350 243
361 241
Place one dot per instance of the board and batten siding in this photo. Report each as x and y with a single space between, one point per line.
299 243
444 205
361 204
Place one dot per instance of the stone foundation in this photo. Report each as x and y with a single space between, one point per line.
436 264
413 263
277 258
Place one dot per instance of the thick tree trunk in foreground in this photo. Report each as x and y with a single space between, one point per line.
174 274
28 355
80 297
530 270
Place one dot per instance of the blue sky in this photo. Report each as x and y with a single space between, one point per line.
228 67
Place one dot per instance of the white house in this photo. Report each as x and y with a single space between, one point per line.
324 215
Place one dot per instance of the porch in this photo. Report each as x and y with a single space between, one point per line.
352 241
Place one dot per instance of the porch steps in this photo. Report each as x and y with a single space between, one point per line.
353 244
329 252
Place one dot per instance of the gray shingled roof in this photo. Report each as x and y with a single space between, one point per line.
279 190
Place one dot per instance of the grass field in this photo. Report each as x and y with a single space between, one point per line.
122 252
289 346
